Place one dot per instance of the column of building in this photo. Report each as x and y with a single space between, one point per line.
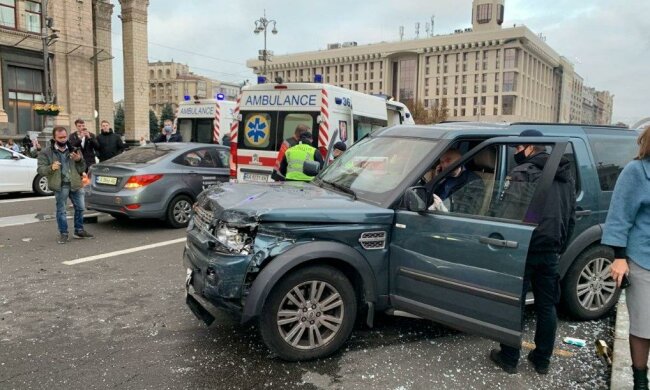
103 60
136 86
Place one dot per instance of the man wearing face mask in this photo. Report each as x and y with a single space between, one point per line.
63 166
167 133
549 239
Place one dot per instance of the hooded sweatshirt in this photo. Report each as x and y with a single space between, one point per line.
557 218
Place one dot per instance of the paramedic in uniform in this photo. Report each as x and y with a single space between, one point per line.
295 156
288 143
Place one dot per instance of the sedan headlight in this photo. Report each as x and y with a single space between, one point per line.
232 238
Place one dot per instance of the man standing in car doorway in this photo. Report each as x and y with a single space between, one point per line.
549 239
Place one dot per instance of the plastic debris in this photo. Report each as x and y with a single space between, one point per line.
574 341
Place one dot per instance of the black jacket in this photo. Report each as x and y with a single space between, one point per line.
175 137
465 192
110 145
557 218
88 149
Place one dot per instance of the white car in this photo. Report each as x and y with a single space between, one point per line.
18 174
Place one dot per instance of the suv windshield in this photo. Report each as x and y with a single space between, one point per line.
375 167
141 155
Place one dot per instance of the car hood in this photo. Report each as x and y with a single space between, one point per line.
244 204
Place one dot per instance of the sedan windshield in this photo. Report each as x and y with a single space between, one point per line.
375 167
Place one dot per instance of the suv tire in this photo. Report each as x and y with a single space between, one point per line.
315 308
179 211
582 281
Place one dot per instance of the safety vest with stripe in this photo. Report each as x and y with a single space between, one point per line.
296 157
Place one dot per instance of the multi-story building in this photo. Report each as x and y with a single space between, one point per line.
170 82
79 37
589 105
604 107
487 72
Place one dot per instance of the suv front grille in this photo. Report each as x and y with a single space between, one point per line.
202 219
373 240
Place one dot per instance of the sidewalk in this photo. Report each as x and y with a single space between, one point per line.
621 371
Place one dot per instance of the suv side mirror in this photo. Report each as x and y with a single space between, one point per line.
311 168
414 198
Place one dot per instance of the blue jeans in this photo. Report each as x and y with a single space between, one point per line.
542 273
77 198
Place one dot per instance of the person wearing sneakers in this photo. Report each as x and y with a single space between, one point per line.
63 165
549 239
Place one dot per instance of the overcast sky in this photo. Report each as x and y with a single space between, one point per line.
608 41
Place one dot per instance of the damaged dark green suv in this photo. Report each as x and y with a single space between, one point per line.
304 260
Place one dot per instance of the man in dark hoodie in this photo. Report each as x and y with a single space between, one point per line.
110 144
549 239
85 141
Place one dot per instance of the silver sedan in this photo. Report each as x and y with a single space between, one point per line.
156 181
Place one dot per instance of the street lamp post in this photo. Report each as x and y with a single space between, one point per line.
261 25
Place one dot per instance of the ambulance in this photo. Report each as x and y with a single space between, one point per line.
268 113
204 120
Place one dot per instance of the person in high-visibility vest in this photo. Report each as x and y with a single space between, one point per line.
295 157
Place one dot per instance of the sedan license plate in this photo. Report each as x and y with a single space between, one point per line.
111 181
256 177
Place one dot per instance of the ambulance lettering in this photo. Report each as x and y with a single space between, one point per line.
277 100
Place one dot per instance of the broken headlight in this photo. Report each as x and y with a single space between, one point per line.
236 240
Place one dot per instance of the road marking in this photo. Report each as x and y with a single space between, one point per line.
26 199
124 251
26 219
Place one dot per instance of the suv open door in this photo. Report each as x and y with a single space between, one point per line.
464 267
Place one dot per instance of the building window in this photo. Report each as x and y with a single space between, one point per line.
464 79
32 16
484 13
464 67
484 88
407 79
464 90
495 111
509 81
496 100
465 56
510 60
499 14
8 13
462 112
25 88
463 101
484 77
508 105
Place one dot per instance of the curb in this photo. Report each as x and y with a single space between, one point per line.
621 362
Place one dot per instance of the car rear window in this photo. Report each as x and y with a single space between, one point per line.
611 153
142 155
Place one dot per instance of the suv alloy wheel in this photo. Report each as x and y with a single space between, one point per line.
309 314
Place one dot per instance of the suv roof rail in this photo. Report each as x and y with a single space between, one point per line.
571 124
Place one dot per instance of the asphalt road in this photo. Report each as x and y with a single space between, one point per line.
120 321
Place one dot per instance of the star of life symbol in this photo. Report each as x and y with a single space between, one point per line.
257 130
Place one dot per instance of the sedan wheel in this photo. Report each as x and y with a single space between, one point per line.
179 211
309 314
41 186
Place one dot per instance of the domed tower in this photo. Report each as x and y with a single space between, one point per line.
487 14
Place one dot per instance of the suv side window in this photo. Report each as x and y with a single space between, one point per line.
478 193
611 153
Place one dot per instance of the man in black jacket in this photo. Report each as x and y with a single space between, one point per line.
549 239
110 144
168 134
85 141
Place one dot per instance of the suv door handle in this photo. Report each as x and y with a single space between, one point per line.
583 213
192 173
497 242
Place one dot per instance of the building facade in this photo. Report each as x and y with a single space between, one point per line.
79 38
486 72
170 82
